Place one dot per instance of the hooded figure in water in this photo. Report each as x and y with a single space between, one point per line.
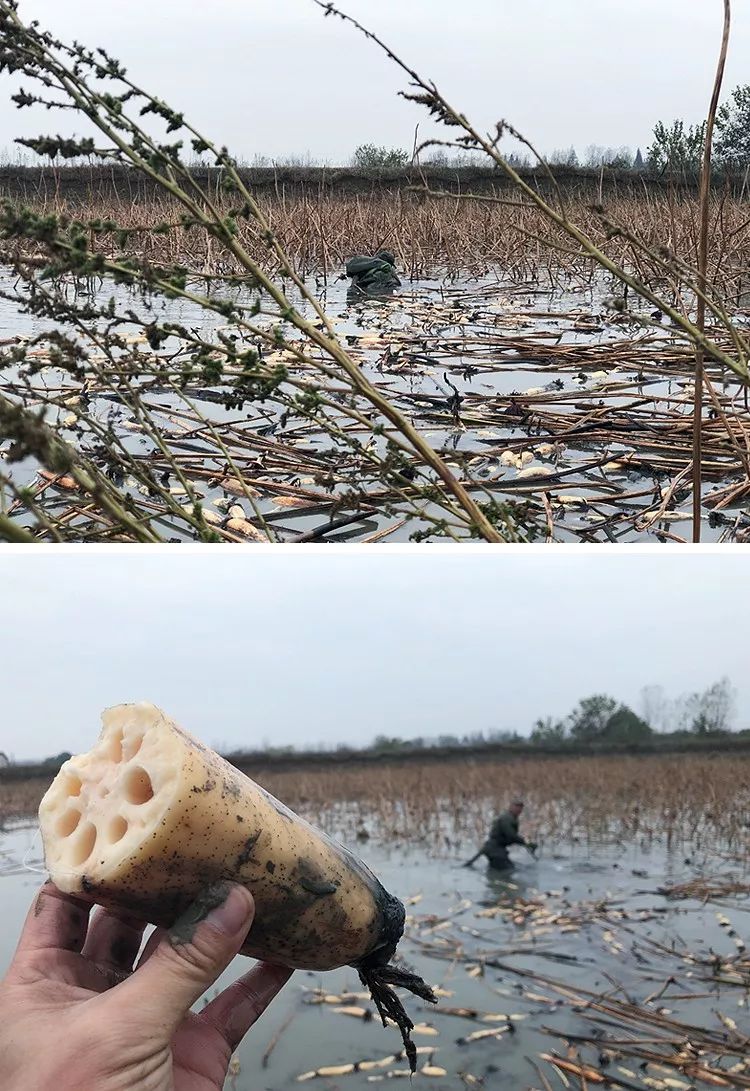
504 833
373 276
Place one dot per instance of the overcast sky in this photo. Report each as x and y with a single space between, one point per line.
299 648
277 78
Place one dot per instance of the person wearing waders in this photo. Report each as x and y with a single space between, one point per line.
373 275
503 833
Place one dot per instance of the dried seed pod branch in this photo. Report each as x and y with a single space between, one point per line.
96 86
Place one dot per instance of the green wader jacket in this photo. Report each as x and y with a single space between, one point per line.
372 273
503 833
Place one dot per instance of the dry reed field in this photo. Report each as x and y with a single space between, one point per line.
450 236
682 801
693 803
20 799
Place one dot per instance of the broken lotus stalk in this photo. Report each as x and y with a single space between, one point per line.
150 816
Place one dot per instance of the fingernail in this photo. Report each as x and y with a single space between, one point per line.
232 913
220 904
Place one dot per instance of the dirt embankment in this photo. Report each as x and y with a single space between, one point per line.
69 184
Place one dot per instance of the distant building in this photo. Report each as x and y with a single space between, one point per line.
638 163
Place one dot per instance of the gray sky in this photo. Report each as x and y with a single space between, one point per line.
330 647
276 78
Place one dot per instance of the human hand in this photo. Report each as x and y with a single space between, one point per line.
75 1016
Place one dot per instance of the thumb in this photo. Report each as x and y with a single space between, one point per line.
197 949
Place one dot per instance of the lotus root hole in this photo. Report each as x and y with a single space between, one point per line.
68 822
138 786
83 845
72 785
133 746
117 829
114 747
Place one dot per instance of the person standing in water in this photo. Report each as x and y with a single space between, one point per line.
373 275
504 832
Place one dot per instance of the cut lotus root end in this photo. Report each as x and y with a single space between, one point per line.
103 803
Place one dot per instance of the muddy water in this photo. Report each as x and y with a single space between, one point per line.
587 957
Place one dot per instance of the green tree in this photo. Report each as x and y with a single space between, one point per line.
378 157
58 759
548 731
388 743
624 726
621 159
677 147
732 141
589 720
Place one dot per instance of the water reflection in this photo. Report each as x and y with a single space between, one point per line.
506 884
375 294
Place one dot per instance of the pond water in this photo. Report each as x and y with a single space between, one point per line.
588 919
525 390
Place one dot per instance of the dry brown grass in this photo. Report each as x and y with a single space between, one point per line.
21 798
689 800
698 802
320 231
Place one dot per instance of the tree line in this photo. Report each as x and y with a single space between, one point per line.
599 720
676 148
